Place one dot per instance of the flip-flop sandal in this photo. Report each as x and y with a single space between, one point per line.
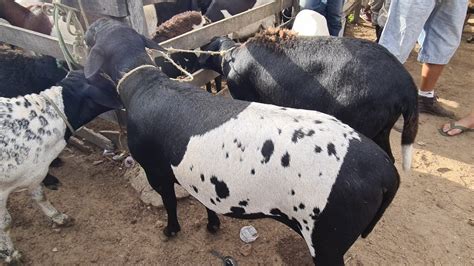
452 126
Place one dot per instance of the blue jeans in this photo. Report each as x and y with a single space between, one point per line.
331 9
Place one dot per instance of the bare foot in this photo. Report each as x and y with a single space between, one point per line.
466 122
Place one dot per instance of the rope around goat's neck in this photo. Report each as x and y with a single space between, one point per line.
129 73
221 53
61 114
190 77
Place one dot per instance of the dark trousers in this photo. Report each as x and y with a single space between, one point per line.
331 9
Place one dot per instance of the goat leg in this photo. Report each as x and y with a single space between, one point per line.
58 162
169 201
218 81
48 209
7 252
51 182
213 222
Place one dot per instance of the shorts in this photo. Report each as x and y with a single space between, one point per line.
436 24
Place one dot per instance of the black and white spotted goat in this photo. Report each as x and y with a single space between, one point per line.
22 74
33 132
357 81
303 168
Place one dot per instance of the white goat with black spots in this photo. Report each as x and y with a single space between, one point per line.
305 169
33 133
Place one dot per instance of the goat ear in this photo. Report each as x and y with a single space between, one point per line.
152 45
107 97
94 62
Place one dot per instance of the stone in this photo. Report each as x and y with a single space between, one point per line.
471 222
245 250
443 170
137 178
95 163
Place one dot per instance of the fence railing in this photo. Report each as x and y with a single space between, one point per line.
131 11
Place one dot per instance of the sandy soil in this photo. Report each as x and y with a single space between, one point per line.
431 220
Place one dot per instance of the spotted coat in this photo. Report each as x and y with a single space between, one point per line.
299 152
246 160
250 160
31 136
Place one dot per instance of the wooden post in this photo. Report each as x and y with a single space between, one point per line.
31 40
358 6
136 16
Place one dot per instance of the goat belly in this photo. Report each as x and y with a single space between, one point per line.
267 158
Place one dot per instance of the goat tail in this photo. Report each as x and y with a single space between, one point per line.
410 129
388 194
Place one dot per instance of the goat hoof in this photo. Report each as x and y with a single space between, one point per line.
11 257
51 182
213 228
52 186
58 162
62 220
169 232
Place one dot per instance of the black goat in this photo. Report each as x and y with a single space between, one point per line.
356 81
177 25
303 168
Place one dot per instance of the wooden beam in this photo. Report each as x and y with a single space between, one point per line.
199 37
114 8
79 144
203 76
136 18
31 40
95 138
151 2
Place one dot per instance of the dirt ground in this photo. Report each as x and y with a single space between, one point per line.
431 220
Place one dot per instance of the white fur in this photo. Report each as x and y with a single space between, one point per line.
407 156
310 23
24 163
48 147
270 187
203 21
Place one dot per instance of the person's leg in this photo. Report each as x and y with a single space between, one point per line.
334 15
311 4
375 5
439 40
465 122
329 10
430 74
378 33
442 32
366 12
404 24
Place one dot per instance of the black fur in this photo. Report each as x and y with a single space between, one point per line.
22 74
167 10
356 81
163 115
214 11
84 101
380 184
